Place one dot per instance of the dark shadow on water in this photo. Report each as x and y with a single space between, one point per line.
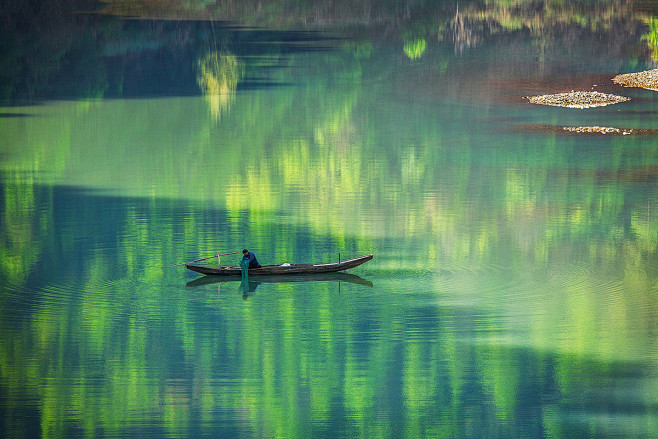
319 277
141 58
633 112
15 115
248 287
261 85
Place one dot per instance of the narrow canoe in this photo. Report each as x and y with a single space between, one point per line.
281 269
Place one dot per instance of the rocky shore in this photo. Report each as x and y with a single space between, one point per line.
647 79
577 99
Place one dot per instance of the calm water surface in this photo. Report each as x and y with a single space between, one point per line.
514 283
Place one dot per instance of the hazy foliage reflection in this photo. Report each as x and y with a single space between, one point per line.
218 77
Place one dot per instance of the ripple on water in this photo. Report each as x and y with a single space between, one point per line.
574 277
50 297
568 275
484 280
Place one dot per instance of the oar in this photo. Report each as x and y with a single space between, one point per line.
202 259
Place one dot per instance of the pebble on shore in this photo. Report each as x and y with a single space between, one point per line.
599 130
647 79
590 130
578 99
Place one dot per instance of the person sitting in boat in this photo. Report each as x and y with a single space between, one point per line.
253 262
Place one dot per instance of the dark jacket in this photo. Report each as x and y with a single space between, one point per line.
253 263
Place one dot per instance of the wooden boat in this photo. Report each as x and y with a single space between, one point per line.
331 267
283 278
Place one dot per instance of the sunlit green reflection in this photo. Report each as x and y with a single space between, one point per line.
218 76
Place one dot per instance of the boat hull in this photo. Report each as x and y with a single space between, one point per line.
281 269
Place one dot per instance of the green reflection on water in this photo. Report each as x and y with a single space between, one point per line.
124 347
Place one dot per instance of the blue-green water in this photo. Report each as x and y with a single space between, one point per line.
513 287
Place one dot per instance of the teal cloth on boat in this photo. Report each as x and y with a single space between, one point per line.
244 267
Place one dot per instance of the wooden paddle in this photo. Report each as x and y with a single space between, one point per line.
202 259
